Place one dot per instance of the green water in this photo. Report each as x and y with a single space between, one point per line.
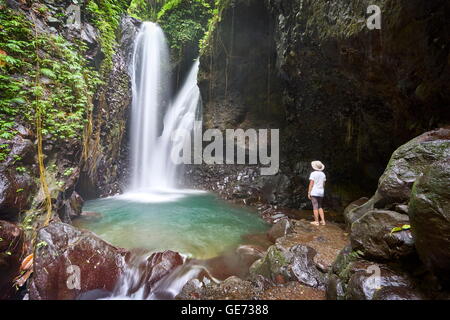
199 225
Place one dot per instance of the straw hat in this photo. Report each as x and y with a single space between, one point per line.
317 165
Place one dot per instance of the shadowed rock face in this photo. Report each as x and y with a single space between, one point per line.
373 234
16 186
414 190
11 246
69 262
343 94
406 165
429 209
105 170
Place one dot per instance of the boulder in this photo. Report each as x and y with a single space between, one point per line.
16 186
353 205
410 161
367 278
280 229
11 246
15 193
372 234
69 262
407 164
232 288
353 278
70 208
334 288
248 254
429 210
397 293
296 263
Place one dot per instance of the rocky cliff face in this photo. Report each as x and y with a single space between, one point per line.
402 230
105 165
350 95
83 164
92 163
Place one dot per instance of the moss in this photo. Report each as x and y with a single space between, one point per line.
185 22
56 81
105 15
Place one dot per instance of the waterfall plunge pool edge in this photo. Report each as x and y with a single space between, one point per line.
194 223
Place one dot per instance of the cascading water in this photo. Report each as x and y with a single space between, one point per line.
154 120
141 219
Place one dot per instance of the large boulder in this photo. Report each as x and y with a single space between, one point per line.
373 234
410 161
296 263
406 165
16 183
429 210
70 208
368 279
353 278
142 277
69 262
355 204
11 246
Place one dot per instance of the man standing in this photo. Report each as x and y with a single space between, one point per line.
316 191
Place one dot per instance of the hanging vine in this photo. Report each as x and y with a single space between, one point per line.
39 111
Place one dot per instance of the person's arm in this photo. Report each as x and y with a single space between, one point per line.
311 185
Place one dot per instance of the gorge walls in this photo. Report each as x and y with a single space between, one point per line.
338 91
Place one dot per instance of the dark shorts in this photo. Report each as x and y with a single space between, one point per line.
317 202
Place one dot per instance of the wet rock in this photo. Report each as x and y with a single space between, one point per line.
160 264
248 254
355 204
372 234
334 289
429 209
232 288
367 278
192 290
352 278
129 28
397 293
104 175
71 208
280 229
304 268
69 262
11 246
287 264
16 182
410 161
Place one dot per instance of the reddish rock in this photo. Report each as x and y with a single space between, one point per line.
61 252
147 272
11 244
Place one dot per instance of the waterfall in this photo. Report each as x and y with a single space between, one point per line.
154 118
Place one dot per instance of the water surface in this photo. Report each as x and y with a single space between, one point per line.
196 224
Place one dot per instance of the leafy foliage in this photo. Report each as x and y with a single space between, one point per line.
105 15
65 82
185 21
146 10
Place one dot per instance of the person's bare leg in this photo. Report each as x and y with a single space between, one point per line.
322 216
316 217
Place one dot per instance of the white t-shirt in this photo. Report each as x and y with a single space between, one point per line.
319 178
